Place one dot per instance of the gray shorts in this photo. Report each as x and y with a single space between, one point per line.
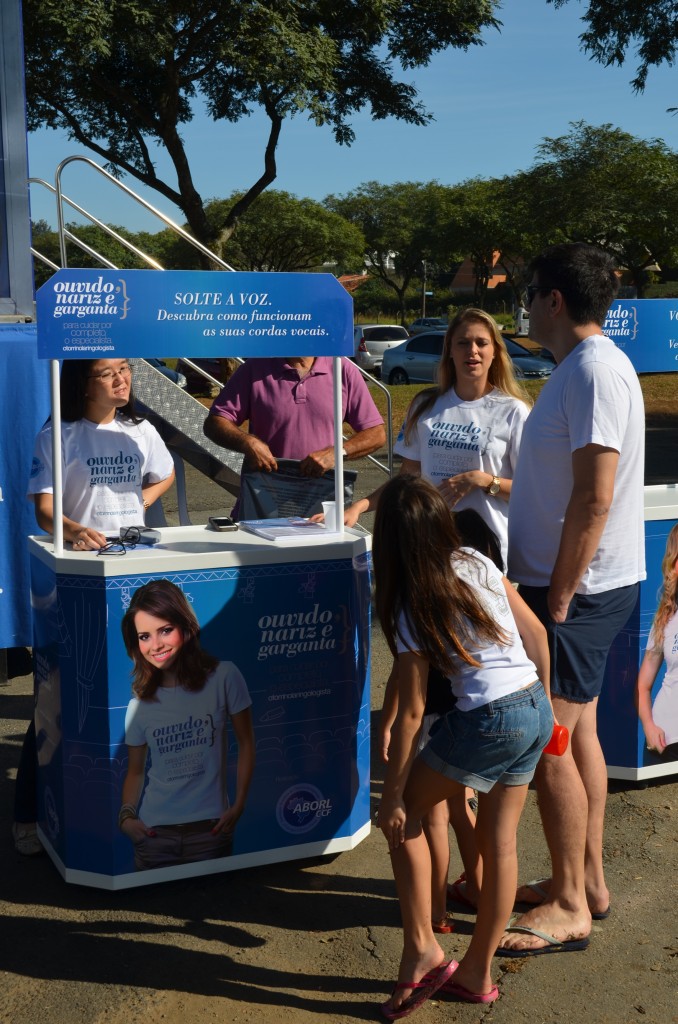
579 646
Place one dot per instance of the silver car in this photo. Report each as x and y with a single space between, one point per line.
370 341
416 360
428 323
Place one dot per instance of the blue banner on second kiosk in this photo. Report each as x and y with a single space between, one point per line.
647 331
122 313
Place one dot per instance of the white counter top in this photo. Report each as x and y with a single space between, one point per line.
198 547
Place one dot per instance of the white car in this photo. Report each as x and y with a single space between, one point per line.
370 341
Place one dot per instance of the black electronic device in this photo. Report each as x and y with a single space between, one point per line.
222 523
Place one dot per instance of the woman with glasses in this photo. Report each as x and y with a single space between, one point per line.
114 463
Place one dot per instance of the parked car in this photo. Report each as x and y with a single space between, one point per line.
527 365
428 323
416 360
173 375
370 341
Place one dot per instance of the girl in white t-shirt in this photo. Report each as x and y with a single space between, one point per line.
114 463
660 719
449 607
175 802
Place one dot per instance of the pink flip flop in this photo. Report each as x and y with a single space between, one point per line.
456 892
421 990
451 988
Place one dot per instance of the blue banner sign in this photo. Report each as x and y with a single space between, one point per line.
106 314
647 331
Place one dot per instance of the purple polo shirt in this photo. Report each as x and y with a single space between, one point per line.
295 416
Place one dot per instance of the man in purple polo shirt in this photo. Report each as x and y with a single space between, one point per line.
289 406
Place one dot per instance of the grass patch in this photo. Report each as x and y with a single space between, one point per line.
660 392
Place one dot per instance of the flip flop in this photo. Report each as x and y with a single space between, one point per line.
421 990
456 892
537 887
553 945
443 927
451 988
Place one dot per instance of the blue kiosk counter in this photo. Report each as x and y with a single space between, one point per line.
295 621
619 728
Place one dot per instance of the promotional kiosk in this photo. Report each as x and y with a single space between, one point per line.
294 618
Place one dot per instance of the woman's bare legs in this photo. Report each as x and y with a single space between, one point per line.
436 829
463 821
498 816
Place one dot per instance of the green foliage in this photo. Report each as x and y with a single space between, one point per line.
122 76
606 187
400 223
649 28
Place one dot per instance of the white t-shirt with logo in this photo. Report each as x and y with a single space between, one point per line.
455 436
502 669
592 397
665 707
187 743
103 467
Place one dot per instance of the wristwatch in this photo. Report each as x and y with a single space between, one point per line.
493 489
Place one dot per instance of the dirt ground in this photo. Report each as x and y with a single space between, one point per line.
321 938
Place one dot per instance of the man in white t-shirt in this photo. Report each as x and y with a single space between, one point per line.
576 544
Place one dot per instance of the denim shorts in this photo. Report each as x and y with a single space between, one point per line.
579 646
499 742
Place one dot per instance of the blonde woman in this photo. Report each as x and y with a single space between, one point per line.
660 720
464 434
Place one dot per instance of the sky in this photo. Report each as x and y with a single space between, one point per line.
492 106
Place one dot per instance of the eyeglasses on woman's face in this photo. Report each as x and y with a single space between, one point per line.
108 375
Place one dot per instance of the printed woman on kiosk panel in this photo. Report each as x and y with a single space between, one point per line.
175 803
660 719
114 465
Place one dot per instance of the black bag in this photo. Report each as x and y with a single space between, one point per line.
287 492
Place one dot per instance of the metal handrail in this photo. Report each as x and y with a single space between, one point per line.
388 468
142 202
106 228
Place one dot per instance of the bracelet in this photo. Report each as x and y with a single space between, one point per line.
125 812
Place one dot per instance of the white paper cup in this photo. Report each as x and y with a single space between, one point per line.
330 513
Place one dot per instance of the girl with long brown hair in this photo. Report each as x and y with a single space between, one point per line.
448 607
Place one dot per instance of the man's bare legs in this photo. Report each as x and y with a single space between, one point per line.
564 809
590 762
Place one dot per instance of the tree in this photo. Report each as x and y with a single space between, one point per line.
650 27
123 76
283 233
606 187
475 228
401 225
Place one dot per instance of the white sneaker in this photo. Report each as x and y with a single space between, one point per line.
26 841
